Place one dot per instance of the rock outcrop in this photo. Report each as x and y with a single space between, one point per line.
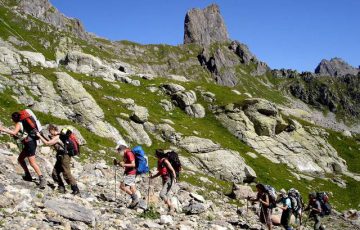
259 124
222 163
45 11
336 67
186 100
86 110
205 26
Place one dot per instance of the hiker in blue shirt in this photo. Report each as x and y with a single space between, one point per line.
286 207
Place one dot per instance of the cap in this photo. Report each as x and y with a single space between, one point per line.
121 143
282 192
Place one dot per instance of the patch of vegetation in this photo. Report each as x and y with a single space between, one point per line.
151 213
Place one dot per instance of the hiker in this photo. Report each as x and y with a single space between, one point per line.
128 184
24 133
297 204
63 160
286 207
168 176
265 209
314 207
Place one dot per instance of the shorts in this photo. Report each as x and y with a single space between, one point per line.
29 148
129 180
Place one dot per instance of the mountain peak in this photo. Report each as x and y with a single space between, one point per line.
336 67
205 26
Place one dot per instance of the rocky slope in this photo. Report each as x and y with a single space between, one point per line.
163 96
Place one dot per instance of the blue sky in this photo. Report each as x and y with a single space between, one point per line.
294 34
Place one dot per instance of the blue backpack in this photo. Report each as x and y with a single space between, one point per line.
141 160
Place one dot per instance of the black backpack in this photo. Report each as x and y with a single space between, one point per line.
323 198
296 200
71 144
174 160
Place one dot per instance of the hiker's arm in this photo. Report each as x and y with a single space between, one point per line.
265 202
53 141
132 164
154 176
168 165
11 132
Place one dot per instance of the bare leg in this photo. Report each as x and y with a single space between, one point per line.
126 189
21 160
34 165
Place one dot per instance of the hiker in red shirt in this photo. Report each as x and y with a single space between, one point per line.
128 184
168 176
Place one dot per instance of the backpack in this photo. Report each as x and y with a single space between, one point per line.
141 160
174 160
71 144
272 195
30 123
296 200
323 198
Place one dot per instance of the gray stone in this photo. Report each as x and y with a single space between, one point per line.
194 208
136 132
185 98
172 88
71 210
140 114
195 144
195 110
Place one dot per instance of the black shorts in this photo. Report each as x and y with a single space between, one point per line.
29 148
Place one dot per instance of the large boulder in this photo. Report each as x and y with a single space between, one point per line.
265 116
195 144
205 26
195 110
184 98
226 165
71 210
136 132
86 110
172 88
140 114
336 67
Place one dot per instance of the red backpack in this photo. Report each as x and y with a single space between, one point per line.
29 124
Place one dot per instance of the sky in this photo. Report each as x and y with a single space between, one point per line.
295 34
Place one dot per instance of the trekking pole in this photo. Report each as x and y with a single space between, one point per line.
115 180
148 193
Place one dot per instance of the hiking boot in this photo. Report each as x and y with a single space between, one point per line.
27 177
62 189
134 202
172 212
42 183
75 190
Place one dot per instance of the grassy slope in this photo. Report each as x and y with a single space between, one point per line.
209 127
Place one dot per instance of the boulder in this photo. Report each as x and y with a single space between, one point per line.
136 132
195 110
194 208
193 144
71 210
10 62
184 98
140 114
37 59
226 165
205 26
167 105
242 191
171 88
